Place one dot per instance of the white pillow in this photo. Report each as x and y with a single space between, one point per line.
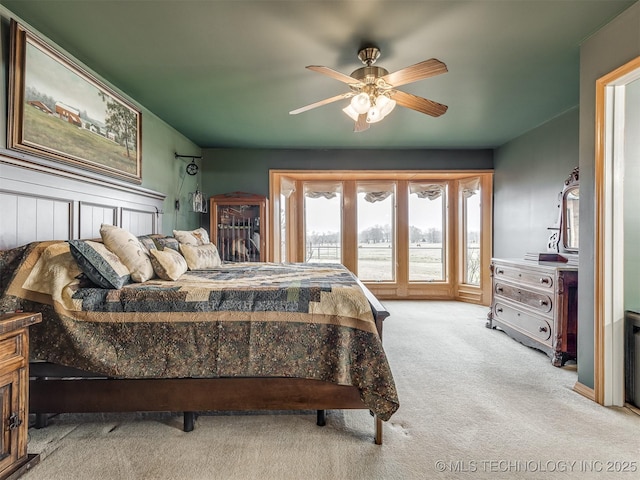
196 237
168 264
201 257
130 251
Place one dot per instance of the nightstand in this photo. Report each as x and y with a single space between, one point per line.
14 393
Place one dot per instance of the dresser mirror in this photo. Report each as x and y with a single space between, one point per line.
564 239
570 218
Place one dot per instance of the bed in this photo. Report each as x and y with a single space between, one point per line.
43 204
242 336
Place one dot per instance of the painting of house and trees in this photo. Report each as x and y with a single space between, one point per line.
62 112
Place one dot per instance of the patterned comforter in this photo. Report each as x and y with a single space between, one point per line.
239 320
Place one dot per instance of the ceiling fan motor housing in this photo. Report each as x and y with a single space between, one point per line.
369 74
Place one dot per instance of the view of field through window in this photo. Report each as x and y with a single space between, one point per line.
376 232
426 236
472 210
323 221
376 227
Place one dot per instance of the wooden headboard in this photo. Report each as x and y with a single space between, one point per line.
38 205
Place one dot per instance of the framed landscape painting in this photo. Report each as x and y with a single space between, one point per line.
60 112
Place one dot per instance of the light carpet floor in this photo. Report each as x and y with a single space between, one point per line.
473 404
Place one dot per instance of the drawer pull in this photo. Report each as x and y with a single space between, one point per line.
544 281
544 303
499 309
499 289
542 329
499 271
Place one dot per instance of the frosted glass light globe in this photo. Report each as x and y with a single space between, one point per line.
361 103
351 112
374 115
385 104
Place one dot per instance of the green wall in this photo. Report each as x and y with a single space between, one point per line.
161 171
614 45
247 170
529 175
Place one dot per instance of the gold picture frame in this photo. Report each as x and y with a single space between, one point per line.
59 111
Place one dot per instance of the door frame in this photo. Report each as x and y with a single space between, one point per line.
609 234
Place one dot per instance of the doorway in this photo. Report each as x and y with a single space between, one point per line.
616 151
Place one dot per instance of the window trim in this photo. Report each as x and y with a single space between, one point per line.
453 287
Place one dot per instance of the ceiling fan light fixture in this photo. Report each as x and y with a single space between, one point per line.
385 104
361 103
351 112
373 90
374 115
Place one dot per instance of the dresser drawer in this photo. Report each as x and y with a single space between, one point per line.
540 279
531 325
11 348
539 301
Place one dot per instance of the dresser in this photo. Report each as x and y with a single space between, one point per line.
536 303
14 395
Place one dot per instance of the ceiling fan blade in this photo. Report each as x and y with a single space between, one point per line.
333 74
419 71
361 124
321 102
419 104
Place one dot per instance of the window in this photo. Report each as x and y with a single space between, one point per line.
323 222
376 231
427 231
471 213
404 234
287 188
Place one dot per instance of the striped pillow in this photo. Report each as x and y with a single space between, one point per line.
99 264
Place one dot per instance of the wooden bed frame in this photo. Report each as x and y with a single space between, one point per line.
55 389
55 205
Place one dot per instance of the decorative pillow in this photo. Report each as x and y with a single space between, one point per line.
99 264
148 242
201 257
168 264
130 251
167 242
199 236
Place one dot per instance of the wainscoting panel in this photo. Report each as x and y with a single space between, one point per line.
138 222
28 218
38 205
92 216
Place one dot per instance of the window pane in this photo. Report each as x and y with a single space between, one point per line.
323 221
376 232
426 232
472 235
283 228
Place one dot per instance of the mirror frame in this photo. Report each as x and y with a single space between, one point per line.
570 184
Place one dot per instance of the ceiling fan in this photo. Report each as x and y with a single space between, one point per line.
373 89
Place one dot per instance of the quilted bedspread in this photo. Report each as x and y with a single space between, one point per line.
240 320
